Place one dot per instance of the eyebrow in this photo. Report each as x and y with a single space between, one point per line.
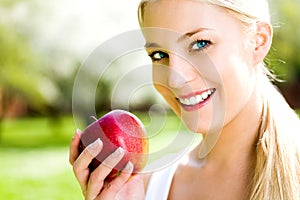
151 44
190 34
186 35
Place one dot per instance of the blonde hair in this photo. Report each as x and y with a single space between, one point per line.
277 168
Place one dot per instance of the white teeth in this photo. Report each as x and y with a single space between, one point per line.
199 98
186 101
204 95
196 99
193 100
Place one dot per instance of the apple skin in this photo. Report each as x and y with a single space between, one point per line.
118 128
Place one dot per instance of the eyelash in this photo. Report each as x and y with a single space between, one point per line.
152 55
165 55
207 44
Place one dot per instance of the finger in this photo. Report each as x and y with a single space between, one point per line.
81 164
74 151
96 179
116 185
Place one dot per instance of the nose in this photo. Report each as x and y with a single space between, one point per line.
181 72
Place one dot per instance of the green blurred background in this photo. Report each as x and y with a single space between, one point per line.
42 44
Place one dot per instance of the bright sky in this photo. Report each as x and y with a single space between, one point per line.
81 25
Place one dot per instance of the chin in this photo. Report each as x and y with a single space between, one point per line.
198 126
199 121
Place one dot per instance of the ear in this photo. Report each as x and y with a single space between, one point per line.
263 41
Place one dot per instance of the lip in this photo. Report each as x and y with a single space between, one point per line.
199 105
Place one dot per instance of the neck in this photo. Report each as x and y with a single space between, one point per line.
237 141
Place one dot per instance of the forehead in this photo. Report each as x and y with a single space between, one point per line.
183 15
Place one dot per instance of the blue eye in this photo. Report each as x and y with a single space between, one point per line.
158 55
200 44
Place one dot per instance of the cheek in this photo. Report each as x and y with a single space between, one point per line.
160 74
238 81
169 97
159 78
235 67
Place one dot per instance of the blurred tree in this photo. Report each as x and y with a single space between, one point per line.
24 79
19 71
27 66
42 76
284 56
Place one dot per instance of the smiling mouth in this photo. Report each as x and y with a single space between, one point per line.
197 99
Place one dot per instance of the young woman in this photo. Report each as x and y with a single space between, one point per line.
255 151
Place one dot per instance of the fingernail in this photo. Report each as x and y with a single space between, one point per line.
128 166
94 147
77 134
118 152
97 143
78 131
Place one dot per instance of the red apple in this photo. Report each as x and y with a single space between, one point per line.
118 128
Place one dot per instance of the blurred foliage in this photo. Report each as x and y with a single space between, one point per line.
283 57
20 66
19 72
33 72
286 42
27 71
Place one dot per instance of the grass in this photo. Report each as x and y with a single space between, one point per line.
34 160
37 174
36 132
34 155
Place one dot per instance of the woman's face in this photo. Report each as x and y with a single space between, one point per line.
202 61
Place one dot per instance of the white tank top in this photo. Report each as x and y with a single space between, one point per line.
159 184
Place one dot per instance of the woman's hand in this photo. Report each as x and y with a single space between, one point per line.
93 185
